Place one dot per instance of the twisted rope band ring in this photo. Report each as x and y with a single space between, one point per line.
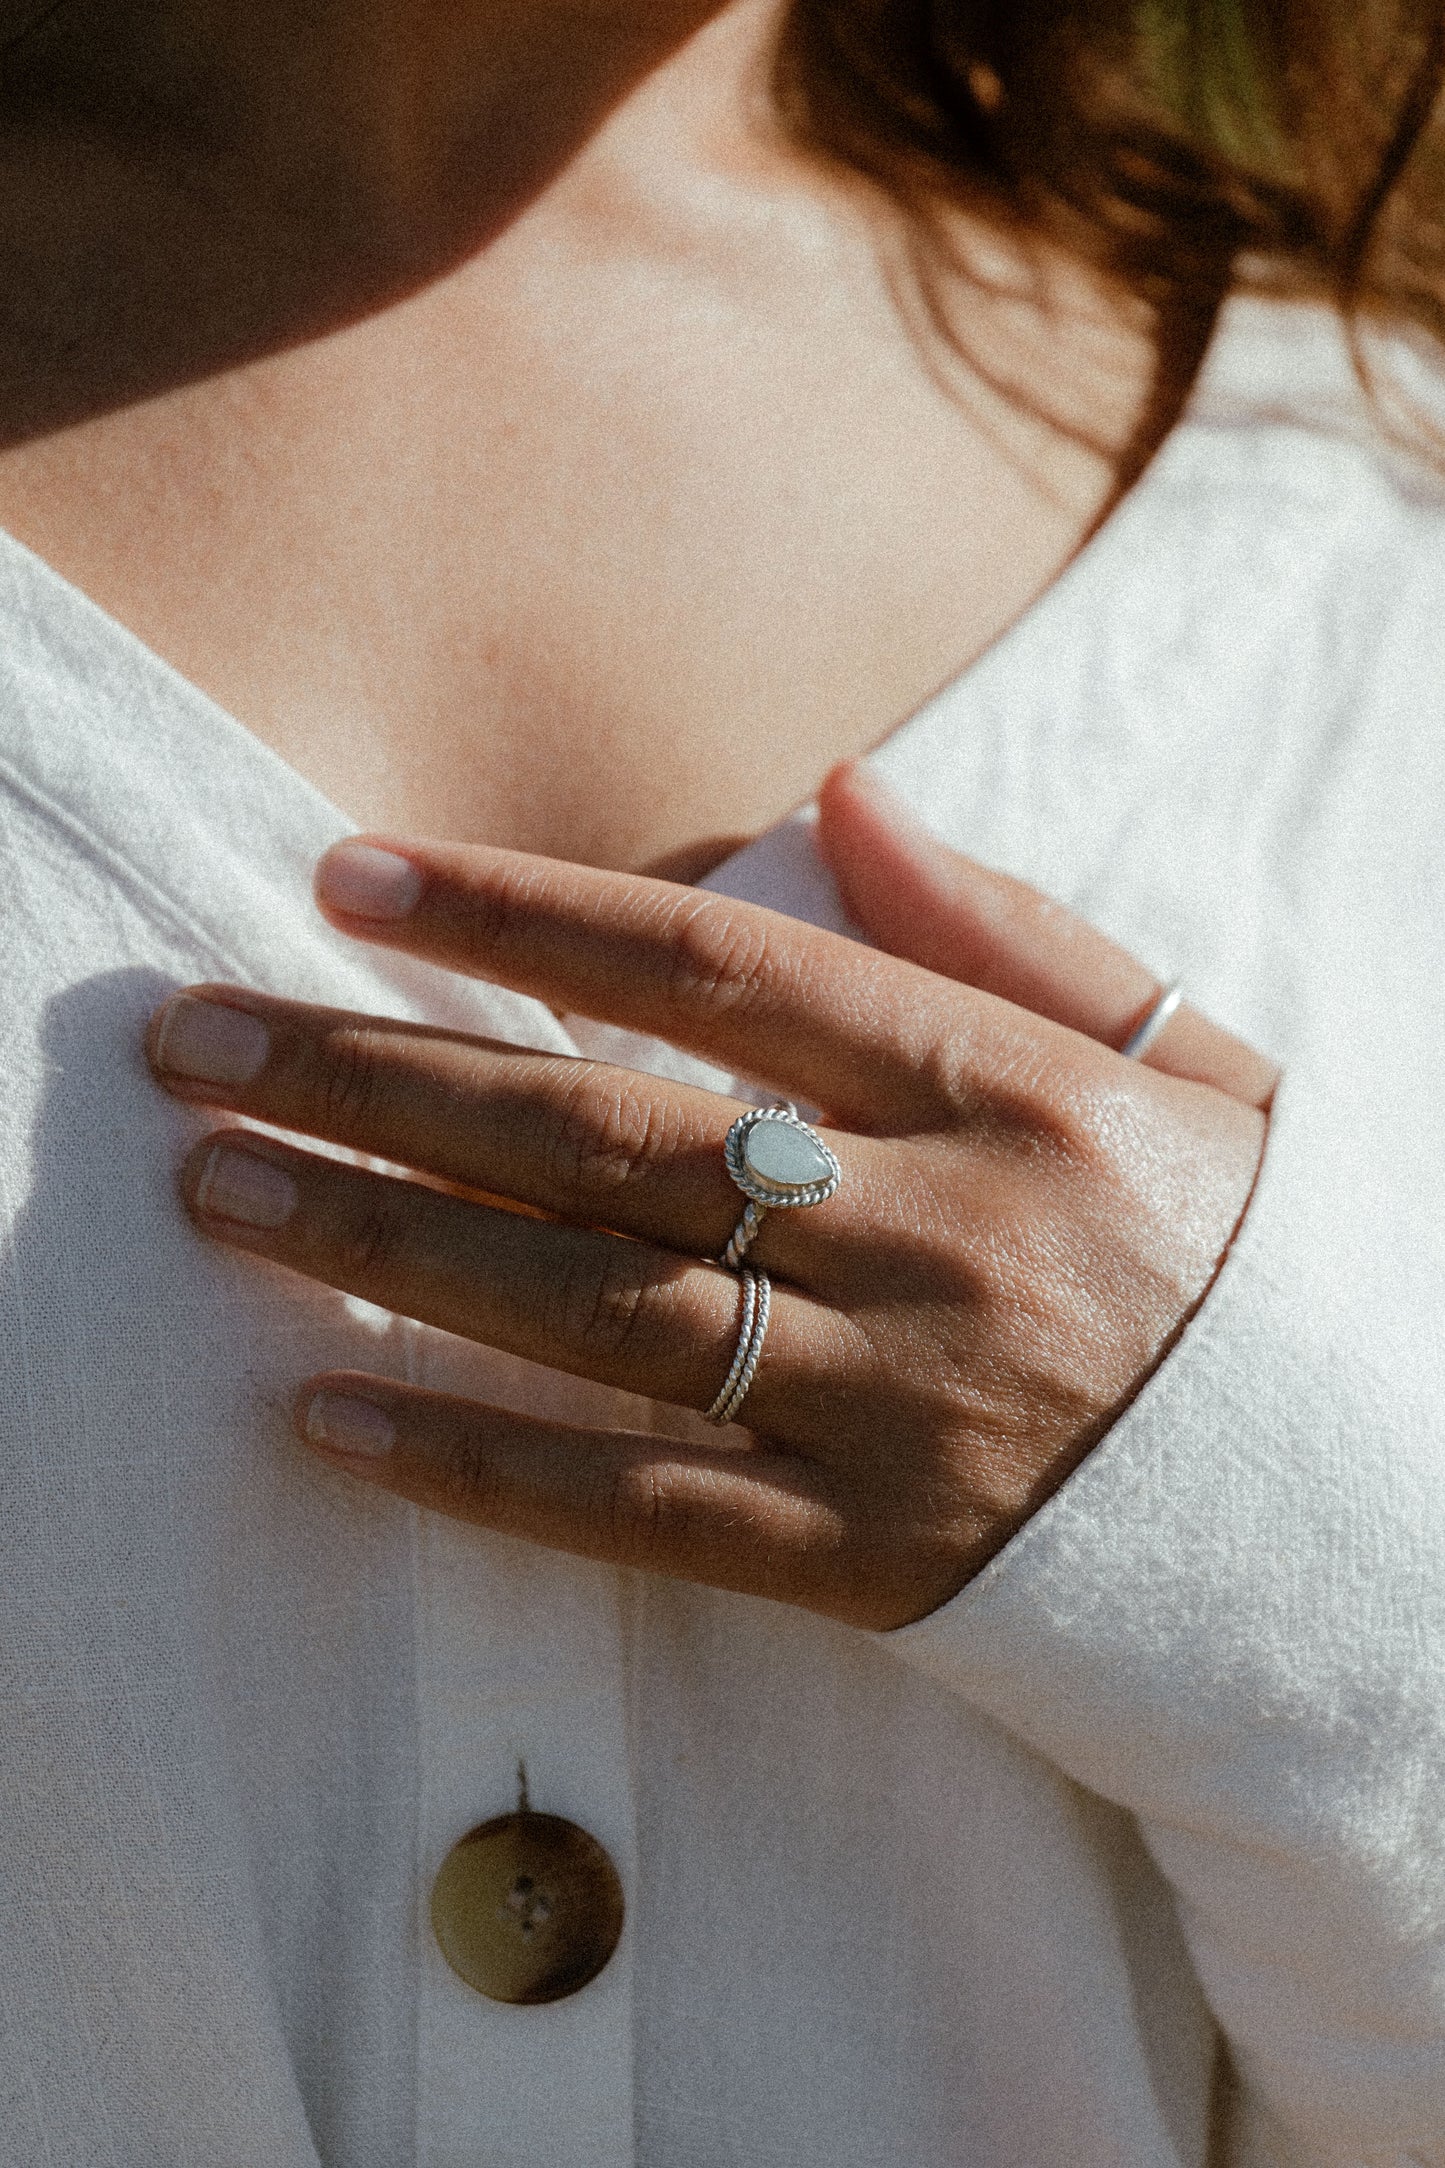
780 1163
757 1308
1137 1045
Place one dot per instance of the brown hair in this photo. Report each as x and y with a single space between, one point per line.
1184 147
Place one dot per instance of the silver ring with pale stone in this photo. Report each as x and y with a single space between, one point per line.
780 1164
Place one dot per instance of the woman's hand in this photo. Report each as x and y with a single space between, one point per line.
1026 1221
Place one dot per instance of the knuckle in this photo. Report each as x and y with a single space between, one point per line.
948 1056
637 1512
722 958
603 1134
1089 1128
350 1085
464 1481
501 908
607 1312
1033 1110
373 1249
941 1063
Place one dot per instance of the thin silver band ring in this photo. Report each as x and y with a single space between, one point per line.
752 1332
1137 1045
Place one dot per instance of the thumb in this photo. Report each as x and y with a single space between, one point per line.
918 899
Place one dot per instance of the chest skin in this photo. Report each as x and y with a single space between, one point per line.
611 537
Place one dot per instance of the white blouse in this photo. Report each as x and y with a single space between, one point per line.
981 1894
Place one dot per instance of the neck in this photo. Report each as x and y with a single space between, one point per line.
518 558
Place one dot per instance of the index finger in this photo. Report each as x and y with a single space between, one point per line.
869 1038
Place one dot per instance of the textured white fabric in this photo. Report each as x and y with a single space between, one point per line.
960 1897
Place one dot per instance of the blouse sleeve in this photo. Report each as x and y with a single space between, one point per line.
1231 1622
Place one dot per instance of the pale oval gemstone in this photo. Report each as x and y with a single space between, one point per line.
785 1157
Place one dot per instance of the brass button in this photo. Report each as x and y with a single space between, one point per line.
527 1907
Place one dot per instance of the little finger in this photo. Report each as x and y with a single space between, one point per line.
760 1523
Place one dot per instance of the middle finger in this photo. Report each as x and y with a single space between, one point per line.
586 1140
573 1137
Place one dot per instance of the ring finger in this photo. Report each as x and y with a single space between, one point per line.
623 1313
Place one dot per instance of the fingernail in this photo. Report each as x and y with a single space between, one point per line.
210 1043
365 882
344 1425
250 1191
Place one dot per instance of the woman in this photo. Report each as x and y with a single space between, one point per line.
532 444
